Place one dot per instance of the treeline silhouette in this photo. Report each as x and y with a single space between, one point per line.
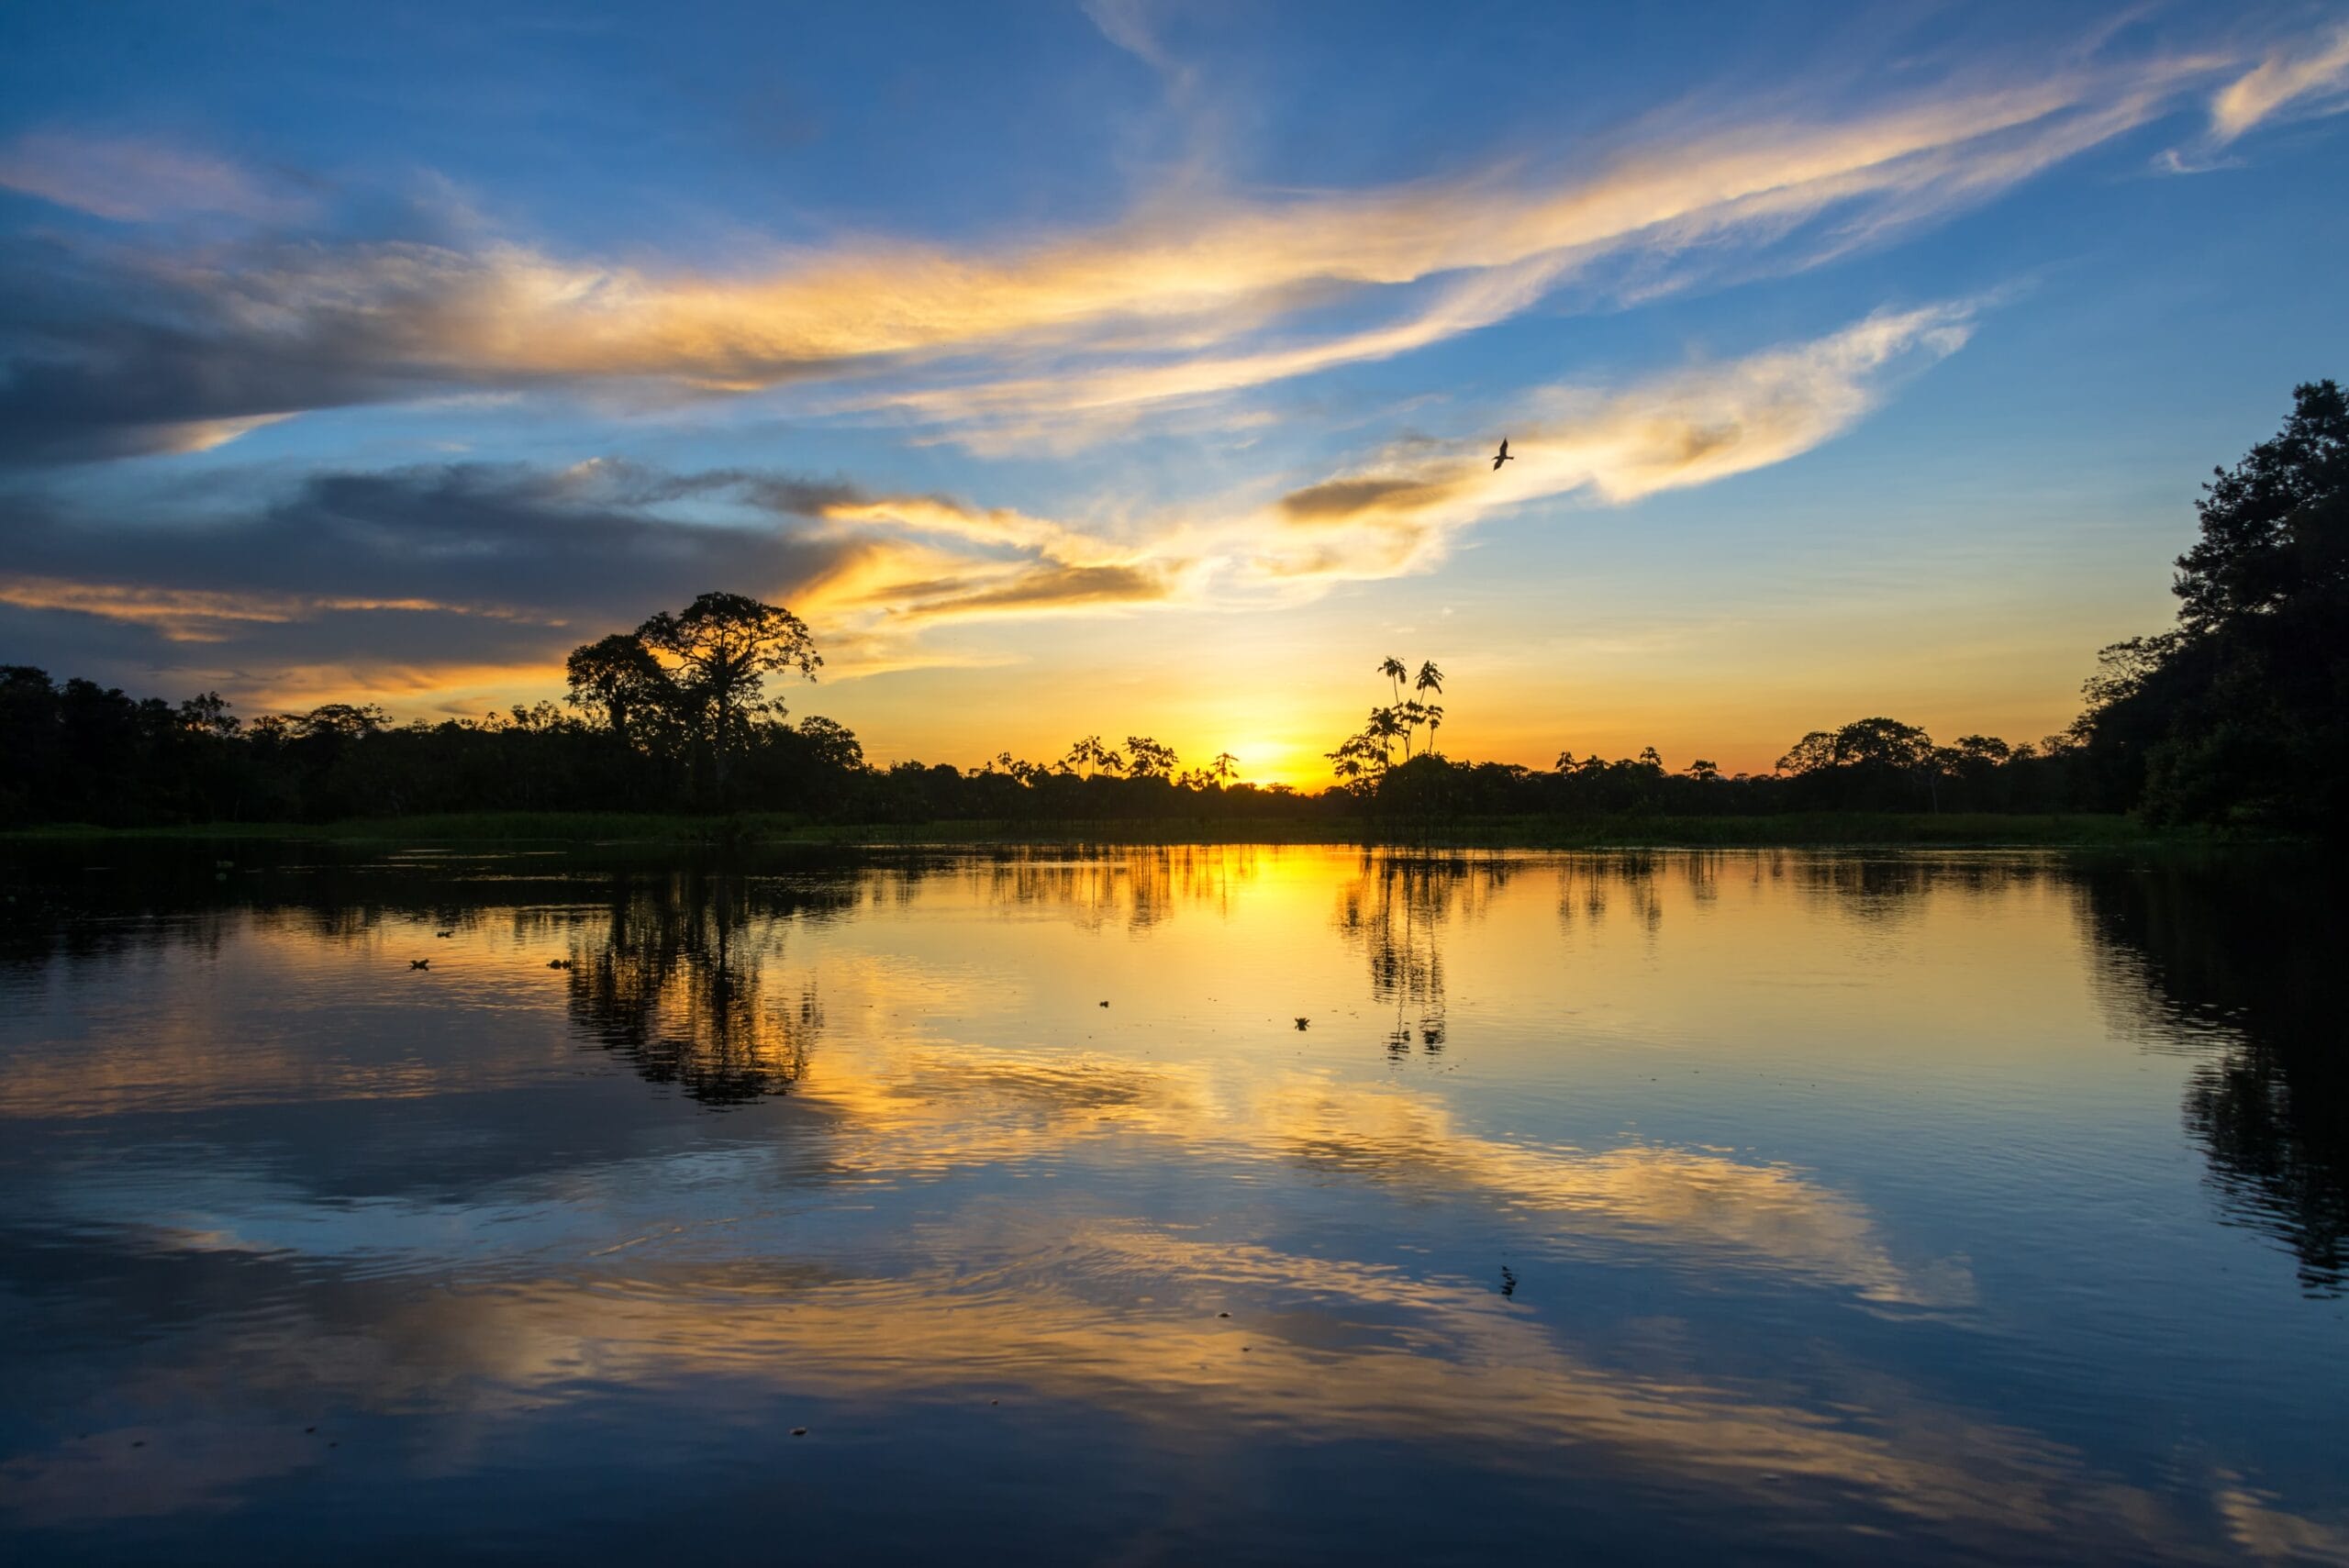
81 752
2237 715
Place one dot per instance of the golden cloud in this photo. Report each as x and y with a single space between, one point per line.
1692 428
2282 80
1398 514
1337 500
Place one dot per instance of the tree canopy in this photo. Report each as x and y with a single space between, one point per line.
2240 713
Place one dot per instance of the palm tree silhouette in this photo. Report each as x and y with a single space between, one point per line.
1371 750
1395 721
1226 766
1092 756
1431 679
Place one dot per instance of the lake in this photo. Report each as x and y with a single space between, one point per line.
1170 1206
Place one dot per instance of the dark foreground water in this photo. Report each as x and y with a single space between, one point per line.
1172 1205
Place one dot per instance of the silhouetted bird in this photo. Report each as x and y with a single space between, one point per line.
419 964
1105 1003
1502 456
444 933
1301 1023
558 964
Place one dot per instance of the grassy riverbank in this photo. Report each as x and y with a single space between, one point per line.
1815 828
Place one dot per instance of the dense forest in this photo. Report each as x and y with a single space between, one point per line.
2237 714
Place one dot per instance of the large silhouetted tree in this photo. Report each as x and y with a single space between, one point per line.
622 686
1871 764
2276 527
716 653
2242 712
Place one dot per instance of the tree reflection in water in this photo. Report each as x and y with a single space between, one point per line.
1135 887
2221 950
680 984
1395 911
1587 882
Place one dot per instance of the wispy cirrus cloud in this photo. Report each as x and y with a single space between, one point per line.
1691 427
1190 299
137 180
2310 77
1126 23
2306 78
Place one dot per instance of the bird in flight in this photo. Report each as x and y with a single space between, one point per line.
1502 456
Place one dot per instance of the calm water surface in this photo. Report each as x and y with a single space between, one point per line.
1171 1205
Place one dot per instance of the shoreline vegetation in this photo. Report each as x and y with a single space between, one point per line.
1827 829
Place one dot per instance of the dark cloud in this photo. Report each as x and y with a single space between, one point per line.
1339 499
1692 443
111 353
440 566
104 355
136 658
800 497
512 536
1046 586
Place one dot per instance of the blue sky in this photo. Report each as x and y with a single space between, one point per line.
1131 367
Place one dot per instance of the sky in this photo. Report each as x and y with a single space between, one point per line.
1131 367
